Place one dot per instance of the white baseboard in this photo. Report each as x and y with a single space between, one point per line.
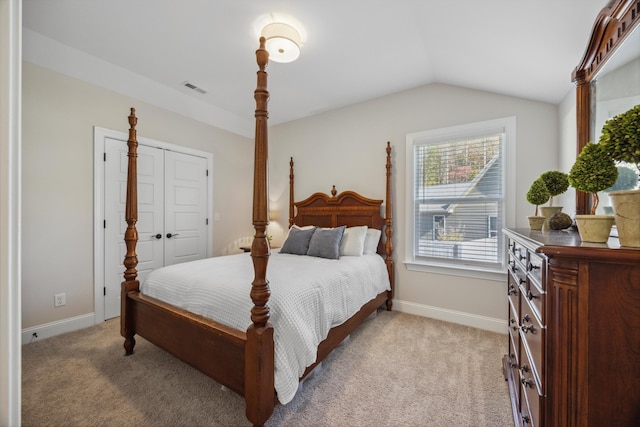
56 328
468 319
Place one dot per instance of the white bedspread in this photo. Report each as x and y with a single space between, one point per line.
309 296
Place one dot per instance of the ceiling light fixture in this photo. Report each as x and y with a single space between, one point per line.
282 42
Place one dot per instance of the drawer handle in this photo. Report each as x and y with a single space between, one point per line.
522 281
527 382
527 329
525 369
532 267
512 290
521 257
531 295
526 419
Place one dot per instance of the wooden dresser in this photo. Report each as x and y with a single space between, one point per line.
574 330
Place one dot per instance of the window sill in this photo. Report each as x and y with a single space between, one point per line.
473 272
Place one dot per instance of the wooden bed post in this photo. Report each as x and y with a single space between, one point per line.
389 230
131 282
291 177
259 361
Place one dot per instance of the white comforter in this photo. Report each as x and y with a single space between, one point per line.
309 296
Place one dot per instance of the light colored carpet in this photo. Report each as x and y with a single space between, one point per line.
395 370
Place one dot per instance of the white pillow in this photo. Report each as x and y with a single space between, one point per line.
371 241
352 243
306 227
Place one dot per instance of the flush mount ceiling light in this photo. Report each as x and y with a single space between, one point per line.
282 42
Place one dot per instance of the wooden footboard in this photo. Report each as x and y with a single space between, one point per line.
209 346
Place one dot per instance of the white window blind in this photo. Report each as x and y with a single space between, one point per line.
457 197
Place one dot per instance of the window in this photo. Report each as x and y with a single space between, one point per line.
456 196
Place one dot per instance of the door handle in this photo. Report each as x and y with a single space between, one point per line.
169 235
157 236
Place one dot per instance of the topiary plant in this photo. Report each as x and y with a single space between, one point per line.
557 183
627 179
621 136
593 171
538 194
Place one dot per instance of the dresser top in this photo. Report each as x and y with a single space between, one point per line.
568 242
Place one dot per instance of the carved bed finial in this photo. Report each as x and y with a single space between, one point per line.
262 55
334 191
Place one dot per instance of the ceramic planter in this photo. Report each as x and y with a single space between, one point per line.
594 228
626 207
536 222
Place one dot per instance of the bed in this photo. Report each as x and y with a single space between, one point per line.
244 359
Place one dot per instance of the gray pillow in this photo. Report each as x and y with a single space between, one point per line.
297 242
325 242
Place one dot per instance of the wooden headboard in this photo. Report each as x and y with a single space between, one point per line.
347 208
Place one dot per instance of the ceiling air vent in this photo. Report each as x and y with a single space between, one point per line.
194 87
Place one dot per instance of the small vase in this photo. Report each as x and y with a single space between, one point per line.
626 207
547 211
594 228
536 222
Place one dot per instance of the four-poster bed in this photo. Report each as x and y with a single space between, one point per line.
244 360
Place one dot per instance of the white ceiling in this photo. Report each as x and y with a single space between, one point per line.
354 50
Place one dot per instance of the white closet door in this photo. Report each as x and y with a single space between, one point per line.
185 228
150 223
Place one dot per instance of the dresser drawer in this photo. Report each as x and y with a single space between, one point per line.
531 401
535 269
519 252
513 291
536 298
532 336
514 336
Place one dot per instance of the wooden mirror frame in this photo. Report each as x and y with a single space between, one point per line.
613 24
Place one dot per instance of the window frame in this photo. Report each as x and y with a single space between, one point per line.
470 130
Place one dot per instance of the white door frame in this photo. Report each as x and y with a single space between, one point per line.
99 135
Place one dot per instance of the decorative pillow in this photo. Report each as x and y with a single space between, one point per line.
353 241
371 241
325 242
297 242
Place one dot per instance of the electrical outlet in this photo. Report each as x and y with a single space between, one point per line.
59 300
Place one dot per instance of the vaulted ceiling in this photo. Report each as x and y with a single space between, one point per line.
354 50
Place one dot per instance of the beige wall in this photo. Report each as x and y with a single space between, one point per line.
59 114
345 147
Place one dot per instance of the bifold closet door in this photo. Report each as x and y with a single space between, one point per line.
185 215
150 225
172 213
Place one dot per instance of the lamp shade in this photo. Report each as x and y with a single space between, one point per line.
282 42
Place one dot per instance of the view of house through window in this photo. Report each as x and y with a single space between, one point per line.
458 196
